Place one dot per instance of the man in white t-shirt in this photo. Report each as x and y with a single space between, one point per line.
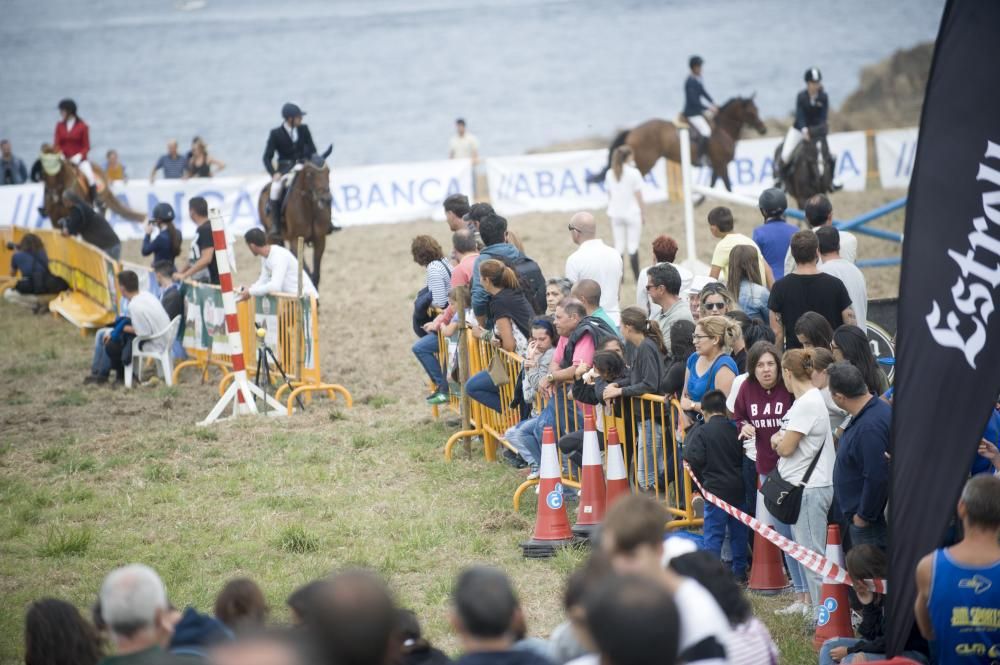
832 263
632 537
819 213
279 270
463 145
595 260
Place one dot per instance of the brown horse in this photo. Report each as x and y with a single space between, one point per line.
307 211
659 138
61 175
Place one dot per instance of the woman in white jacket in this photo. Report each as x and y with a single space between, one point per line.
623 183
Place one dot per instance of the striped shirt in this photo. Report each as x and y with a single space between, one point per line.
750 643
439 282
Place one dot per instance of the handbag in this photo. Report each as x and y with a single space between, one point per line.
783 499
497 371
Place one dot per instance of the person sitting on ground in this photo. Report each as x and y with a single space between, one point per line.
861 472
831 263
746 283
710 367
773 236
805 290
56 634
664 251
31 262
720 224
623 183
134 607
750 641
664 286
279 270
713 450
819 213
813 331
484 610
941 595
632 537
146 317
511 314
456 207
850 343
493 229
633 622
588 292
681 348
595 260
199 164
541 349
241 606
571 639
868 562
82 220
201 265
113 167
557 289
415 649
167 244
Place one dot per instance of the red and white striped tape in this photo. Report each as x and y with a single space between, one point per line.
229 302
829 570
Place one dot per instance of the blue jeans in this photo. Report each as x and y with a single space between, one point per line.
482 389
829 645
716 521
426 350
795 570
649 454
522 437
100 365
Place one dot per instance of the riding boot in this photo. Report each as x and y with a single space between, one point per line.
703 151
333 228
92 192
634 260
275 235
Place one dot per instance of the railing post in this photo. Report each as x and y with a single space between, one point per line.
461 302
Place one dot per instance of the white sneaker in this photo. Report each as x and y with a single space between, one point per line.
798 607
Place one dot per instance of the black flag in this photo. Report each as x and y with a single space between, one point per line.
948 351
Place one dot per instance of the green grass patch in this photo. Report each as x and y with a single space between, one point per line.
73 397
60 542
380 401
295 539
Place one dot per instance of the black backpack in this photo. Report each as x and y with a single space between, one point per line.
532 281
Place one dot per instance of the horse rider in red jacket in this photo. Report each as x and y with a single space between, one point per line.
73 141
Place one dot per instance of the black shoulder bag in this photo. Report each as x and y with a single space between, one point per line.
783 499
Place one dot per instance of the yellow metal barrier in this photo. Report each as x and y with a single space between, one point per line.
205 338
455 387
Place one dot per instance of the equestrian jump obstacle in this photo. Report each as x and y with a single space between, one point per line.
858 224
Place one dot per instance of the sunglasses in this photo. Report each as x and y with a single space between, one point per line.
695 338
650 287
714 305
570 227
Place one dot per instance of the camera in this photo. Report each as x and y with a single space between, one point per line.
12 246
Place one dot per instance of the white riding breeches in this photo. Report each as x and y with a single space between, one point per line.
699 123
626 231
279 186
85 168
792 139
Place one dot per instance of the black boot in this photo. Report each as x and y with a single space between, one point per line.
634 259
275 235
92 192
703 151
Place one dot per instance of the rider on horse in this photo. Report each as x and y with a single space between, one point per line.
811 109
293 143
72 139
695 96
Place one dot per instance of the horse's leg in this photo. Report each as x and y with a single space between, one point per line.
319 246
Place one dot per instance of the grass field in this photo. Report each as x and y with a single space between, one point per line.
92 478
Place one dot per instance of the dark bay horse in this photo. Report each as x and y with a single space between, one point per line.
806 177
60 175
307 211
658 138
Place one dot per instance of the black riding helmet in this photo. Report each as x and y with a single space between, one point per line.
772 202
68 105
695 61
290 110
813 75
162 212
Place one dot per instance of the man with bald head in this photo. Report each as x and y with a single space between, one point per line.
588 292
595 260
172 163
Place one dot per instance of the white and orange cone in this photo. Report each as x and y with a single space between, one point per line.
833 616
767 573
617 485
593 493
552 530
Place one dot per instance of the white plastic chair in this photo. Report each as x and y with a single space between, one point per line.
161 356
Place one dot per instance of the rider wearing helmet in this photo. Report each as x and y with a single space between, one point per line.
811 109
775 234
293 144
72 139
695 97
166 246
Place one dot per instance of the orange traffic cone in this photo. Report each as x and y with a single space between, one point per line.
767 573
617 476
551 524
833 618
593 493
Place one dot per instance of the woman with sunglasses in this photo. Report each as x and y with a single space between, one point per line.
710 367
715 300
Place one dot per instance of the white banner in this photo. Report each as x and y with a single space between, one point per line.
361 195
896 150
557 181
752 169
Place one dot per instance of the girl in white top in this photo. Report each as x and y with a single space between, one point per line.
623 184
804 434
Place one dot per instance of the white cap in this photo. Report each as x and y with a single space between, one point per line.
699 282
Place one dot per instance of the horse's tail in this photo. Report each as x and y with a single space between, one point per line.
110 201
619 141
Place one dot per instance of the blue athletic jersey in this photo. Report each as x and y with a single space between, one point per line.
965 611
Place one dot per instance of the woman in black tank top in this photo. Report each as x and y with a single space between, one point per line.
199 163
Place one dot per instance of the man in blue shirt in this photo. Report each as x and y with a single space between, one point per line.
172 163
773 236
695 97
861 473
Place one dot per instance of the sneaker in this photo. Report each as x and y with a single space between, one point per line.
795 608
533 475
698 505
437 398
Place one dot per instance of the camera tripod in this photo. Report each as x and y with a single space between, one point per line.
263 375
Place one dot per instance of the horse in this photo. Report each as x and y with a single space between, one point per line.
659 138
808 175
61 175
306 211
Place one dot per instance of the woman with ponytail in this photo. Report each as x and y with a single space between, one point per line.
645 355
805 436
